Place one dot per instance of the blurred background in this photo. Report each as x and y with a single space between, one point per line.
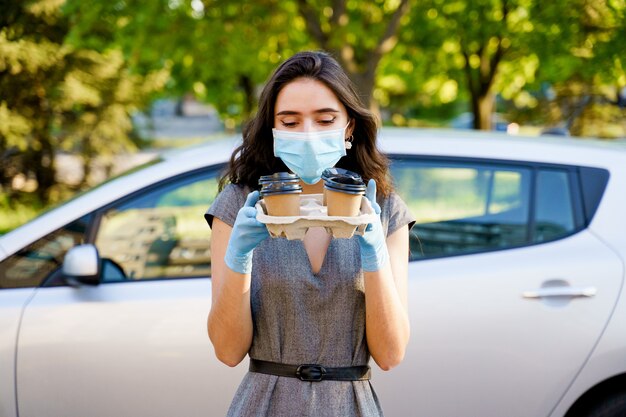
92 88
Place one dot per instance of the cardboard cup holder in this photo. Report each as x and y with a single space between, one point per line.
313 213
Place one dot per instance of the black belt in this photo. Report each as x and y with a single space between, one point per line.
311 372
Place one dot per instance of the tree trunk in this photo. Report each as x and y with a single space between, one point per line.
482 107
86 162
86 155
44 169
248 87
364 83
362 74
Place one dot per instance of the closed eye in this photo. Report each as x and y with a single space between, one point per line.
327 121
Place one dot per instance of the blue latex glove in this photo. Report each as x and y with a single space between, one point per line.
374 254
247 233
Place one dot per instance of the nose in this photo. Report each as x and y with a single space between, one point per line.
308 125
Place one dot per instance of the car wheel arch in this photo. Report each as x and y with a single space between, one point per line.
596 395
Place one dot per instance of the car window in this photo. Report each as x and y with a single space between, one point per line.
554 214
31 265
161 233
463 207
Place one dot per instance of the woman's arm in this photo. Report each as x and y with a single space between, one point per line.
386 313
230 320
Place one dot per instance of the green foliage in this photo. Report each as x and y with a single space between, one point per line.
358 33
72 71
14 212
32 64
474 50
232 50
57 94
219 50
468 50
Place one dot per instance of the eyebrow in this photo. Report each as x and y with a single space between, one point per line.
291 112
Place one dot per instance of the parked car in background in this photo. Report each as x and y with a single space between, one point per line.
516 295
465 120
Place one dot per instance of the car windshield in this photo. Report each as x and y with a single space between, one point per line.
113 178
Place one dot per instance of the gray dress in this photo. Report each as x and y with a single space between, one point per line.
303 318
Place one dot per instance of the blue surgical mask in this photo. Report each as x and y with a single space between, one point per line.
308 154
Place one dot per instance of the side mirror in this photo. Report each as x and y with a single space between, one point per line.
81 266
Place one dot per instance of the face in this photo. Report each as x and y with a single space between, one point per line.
307 105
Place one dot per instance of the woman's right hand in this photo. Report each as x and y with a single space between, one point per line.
247 233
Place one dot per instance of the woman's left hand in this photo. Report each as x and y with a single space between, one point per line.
374 254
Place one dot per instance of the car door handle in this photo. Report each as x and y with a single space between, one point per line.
572 292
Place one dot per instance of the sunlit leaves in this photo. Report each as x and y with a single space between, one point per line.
13 128
514 76
25 55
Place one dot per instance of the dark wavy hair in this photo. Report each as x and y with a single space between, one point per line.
255 156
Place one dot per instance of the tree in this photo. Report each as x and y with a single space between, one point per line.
509 48
235 47
220 50
481 44
31 67
92 113
223 50
59 95
358 34
583 60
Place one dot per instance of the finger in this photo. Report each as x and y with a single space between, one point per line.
370 191
370 194
248 212
247 218
252 198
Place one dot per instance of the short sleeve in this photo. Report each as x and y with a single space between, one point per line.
227 205
395 214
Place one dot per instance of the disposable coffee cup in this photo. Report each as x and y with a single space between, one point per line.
282 197
337 172
343 196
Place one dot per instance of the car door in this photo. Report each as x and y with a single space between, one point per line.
20 274
508 292
12 302
135 345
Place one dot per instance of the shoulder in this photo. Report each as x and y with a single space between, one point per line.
227 204
391 203
234 191
233 196
395 213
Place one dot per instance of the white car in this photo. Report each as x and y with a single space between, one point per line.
516 295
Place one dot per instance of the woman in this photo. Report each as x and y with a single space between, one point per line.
322 301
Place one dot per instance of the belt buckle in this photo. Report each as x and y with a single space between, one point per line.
310 372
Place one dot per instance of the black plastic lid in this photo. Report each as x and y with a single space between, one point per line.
339 172
279 176
272 188
346 184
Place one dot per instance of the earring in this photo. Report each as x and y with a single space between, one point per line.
349 142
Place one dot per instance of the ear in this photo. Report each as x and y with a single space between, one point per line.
350 128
